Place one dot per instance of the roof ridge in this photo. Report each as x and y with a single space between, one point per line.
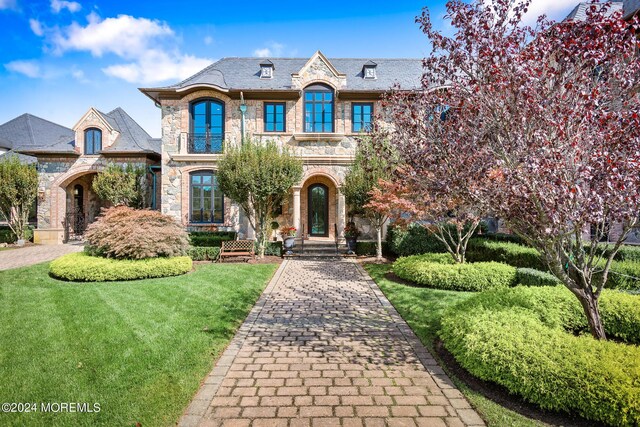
302 58
123 113
30 129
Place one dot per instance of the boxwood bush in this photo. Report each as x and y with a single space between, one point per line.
369 248
441 272
204 253
532 277
210 238
413 240
534 342
82 267
480 250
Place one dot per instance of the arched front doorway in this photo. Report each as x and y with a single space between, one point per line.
318 210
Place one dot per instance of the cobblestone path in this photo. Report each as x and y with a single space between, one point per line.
324 347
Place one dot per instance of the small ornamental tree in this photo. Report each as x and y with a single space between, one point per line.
18 191
122 185
364 176
258 177
557 107
443 177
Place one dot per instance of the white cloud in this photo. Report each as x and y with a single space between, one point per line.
554 9
124 36
8 4
29 68
208 40
155 66
36 27
271 49
71 6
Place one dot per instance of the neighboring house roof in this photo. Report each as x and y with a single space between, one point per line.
244 74
33 135
28 133
579 13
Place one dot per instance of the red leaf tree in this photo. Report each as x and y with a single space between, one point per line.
556 108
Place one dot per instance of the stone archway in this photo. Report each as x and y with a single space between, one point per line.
318 206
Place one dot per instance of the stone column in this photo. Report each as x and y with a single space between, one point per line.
296 210
342 216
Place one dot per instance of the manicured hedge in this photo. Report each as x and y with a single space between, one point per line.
204 253
440 272
480 250
210 238
624 275
7 236
82 267
503 237
625 253
532 277
413 240
525 339
272 248
369 248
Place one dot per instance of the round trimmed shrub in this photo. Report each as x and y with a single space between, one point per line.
441 272
82 267
534 341
532 277
125 233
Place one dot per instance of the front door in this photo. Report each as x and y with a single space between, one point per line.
318 210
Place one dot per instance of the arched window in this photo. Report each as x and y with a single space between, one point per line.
318 108
207 126
206 202
92 141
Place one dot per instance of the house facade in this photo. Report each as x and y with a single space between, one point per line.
316 107
68 161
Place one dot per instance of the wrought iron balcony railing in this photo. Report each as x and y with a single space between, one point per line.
205 143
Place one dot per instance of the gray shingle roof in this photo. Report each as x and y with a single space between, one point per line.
579 13
22 157
244 74
31 133
630 7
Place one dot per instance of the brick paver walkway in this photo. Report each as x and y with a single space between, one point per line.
29 255
324 347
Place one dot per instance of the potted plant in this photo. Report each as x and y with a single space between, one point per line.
274 227
351 234
288 238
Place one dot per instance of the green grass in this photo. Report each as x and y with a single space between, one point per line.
422 309
139 348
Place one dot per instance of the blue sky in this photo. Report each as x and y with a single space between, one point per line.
60 57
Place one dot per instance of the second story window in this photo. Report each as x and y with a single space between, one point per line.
361 116
274 117
207 126
318 109
92 141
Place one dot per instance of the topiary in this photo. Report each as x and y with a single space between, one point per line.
125 233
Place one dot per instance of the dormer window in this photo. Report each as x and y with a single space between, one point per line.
369 70
266 69
92 141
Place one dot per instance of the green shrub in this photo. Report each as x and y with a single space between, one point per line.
532 277
7 236
82 267
625 253
210 238
204 253
525 340
369 248
413 240
439 271
624 275
271 248
504 237
480 250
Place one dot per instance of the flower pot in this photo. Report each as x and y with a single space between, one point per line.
352 243
288 242
20 242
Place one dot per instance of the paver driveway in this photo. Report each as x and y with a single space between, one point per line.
30 255
324 347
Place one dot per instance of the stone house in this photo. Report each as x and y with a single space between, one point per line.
69 159
314 106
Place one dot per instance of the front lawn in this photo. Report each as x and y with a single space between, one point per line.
422 309
139 349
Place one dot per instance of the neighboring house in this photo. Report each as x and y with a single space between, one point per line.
314 106
68 160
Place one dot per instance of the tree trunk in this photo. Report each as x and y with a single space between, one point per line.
379 244
590 306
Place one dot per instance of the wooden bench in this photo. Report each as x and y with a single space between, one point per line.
231 248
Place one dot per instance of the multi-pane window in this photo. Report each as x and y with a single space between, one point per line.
207 201
274 117
92 141
207 126
318 109
361 116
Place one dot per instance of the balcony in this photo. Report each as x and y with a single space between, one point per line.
205 143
